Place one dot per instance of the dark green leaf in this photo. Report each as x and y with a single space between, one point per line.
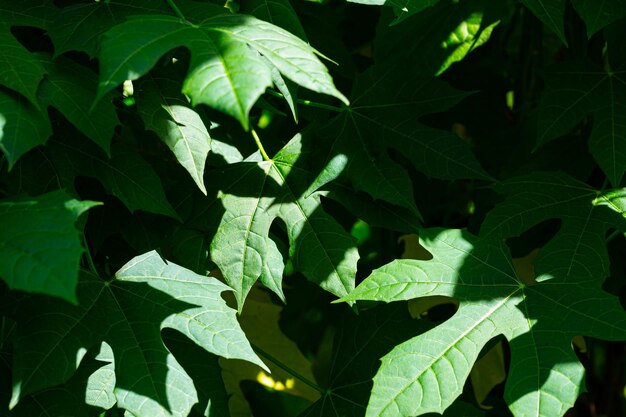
550 12
40 248
599 13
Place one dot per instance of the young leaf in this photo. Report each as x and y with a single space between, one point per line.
225 57
428 372
40 248
168 113
259 192
128 313
577 89
22 126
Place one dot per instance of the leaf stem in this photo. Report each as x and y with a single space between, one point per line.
92 266
257 139
287 369
176 10
613 235
310 103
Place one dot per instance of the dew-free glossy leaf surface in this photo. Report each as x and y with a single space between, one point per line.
426 373
146 295
40 247
259 192
226 72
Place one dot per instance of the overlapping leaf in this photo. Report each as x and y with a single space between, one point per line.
384 115
428 372
125 175
147 295
550 12
169 114
253 195
576 90
402 8
599 14
40 248
226 70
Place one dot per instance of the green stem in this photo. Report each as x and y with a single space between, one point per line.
613 235
310 103
257 139
288 369
92 266
176 10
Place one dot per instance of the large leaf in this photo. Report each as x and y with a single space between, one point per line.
428 372
277 12
576 90
384 115
22 126
169 114
128 313
253 195
226 71
40 248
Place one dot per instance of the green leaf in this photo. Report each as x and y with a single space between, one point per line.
550 12
168 113
359 343
36 13
402 8
253 195
128 313
426 373
225 57
70 88
384 115
599 14
99 391
125 175
40 248
22 126
454 29
276 12
576 90
19 69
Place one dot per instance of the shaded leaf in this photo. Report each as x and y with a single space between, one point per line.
576 90
40 248
600 13
276 12
128 313
550 12
19 69
70 88
22 126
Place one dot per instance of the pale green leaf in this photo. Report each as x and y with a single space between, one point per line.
427 373
40 248
276 12
169 114
128 313
255 194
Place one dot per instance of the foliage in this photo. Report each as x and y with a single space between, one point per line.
203 206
